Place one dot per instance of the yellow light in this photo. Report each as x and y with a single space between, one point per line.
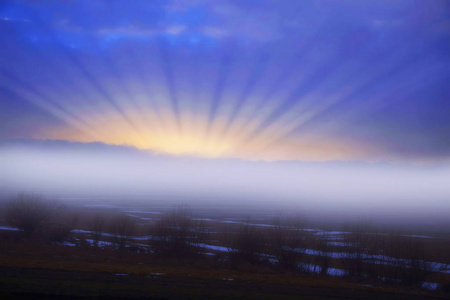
193 134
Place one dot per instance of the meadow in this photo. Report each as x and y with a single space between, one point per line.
172 251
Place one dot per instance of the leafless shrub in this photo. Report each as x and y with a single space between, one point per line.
374 269
415 262
28 212
354 256
122 228
322 258
391 263
177 233
288 241
62 225
97 226
247 244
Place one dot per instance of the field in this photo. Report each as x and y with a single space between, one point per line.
173 252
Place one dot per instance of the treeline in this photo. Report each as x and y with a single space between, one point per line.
37 217
288 245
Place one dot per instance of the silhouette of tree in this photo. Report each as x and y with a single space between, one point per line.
28 212
98 223
122 228
247 244
288 241
62 225
177 233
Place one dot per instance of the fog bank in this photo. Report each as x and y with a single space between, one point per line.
61 167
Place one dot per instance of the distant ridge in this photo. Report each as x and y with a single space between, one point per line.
103 149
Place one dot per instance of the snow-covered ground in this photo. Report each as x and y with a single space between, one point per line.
8 228
139 217
100 205
324 232
100 243
341 244
215 248
137 211
418 236
433 286
333 238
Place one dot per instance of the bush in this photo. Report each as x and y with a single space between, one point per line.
176 233
28 212
288 241
354 257
323 258
62 226
247 244
411 263
416 266
122 228
97 226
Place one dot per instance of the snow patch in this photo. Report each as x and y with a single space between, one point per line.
341 244
419 236
98 205
8 228
100 243
332 232
68 244
213 247
142 212
335 272
139 217
433 286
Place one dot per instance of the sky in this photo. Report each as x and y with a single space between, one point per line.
252 80
336 104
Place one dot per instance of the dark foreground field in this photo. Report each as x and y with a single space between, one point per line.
42 271
40 283
111 252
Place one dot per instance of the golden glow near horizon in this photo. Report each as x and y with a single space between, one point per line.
237 129
180 121
255 81
192 135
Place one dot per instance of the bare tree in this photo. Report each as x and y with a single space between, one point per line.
391 262
354 257
247 244
62 225
408 261
375 240
177 233
123 228
98 223
323 258
28 212
288 242
416 264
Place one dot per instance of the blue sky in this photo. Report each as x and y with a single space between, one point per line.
256 80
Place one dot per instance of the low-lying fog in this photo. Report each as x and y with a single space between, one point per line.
119 173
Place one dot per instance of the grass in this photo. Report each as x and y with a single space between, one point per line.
36 269
48 283
45 271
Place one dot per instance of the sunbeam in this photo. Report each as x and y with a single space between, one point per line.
182 86
331 112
